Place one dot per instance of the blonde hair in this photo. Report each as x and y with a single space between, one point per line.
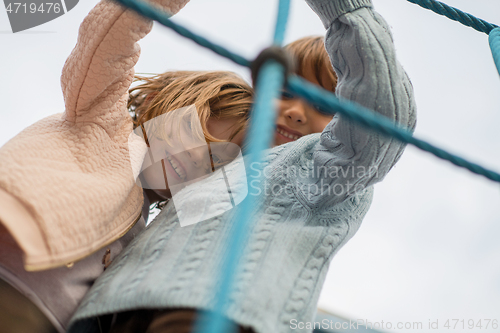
219 94
310 51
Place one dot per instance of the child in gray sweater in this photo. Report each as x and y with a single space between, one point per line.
314 194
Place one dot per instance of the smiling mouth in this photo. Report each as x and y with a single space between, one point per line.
177 167
286 134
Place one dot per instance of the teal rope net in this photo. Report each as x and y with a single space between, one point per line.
260 135
456 15
151 12
362 116
281 20
494 40
467 19
269 83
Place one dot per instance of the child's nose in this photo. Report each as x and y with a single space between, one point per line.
295 111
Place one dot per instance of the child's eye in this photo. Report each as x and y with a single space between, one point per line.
286 95
322 110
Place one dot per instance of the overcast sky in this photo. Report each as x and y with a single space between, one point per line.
428 248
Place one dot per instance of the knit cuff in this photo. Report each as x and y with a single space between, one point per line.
329 10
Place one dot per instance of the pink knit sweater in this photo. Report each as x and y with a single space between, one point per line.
67 185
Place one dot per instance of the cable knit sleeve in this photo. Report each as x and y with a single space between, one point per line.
99 71
350 158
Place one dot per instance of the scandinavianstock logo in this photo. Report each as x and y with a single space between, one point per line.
26 14
202 179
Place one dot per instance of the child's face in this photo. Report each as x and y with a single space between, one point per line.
296 118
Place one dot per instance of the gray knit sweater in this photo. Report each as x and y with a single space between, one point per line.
313 198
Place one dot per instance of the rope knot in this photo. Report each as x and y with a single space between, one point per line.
277 54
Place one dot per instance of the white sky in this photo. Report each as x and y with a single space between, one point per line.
428 248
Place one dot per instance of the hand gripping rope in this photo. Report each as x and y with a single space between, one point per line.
270 76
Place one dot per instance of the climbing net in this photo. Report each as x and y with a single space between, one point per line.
270 81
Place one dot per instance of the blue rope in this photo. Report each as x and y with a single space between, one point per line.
270 81
494 40
372 120
456 15
328 102
260 136
281 21
153 13
261 128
